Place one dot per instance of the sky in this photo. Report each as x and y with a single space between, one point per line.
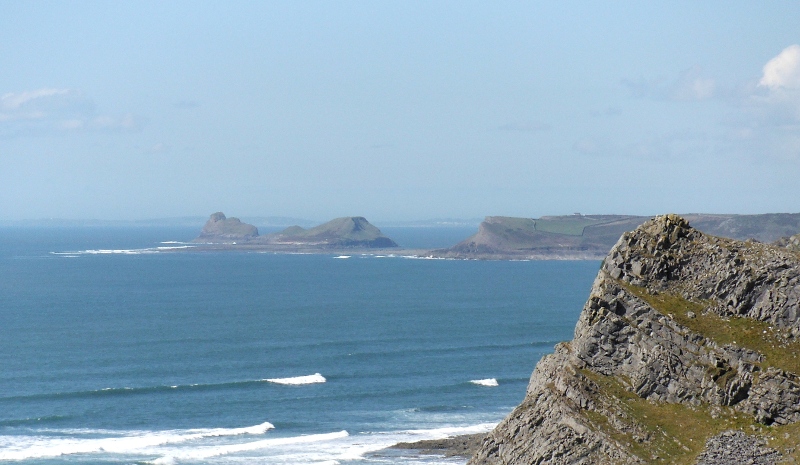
396 111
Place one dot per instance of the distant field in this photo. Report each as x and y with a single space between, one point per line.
564 225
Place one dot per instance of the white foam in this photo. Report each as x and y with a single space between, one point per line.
128 442
309 379
343 256
192 446
316 449
491 382
123 251
200 453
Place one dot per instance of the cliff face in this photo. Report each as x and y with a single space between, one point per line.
573 237
686 352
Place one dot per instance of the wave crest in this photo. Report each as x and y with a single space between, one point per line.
490 382
298 380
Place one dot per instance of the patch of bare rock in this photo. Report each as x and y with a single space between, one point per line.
737 448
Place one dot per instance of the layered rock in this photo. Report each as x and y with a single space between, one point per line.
684 338
218 228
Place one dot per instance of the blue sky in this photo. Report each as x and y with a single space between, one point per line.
397 110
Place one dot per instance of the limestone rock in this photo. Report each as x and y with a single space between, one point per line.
680 327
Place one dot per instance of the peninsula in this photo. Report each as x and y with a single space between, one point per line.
686 352
589 237
354 232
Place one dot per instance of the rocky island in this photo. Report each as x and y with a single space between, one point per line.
219 228
686 352
589 237
353 232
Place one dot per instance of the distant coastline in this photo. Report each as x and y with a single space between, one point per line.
566 237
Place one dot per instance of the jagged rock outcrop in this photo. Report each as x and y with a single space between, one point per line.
218 228
684 336
790 242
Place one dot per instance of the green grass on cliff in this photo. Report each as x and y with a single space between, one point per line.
678 432
571 226
759 336
659 432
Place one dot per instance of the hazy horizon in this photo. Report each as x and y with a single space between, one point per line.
397 111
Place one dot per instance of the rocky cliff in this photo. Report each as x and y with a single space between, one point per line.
686 352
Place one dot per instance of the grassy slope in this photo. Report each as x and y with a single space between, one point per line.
676 433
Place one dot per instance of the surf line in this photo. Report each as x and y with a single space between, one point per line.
297 380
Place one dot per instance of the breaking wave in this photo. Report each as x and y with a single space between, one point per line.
297 380
490 382
71 442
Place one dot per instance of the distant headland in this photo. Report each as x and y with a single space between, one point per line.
351 232
590 237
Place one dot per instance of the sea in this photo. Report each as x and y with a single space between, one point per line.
122 345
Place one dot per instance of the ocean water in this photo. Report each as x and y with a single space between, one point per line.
118 348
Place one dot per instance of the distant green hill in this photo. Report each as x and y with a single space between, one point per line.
350 231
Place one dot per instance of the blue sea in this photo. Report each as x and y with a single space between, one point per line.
122 346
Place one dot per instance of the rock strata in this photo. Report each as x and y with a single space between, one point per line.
684 336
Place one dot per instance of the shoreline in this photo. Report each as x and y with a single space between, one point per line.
428 254
463 446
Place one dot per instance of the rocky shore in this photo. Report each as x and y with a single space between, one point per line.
458 446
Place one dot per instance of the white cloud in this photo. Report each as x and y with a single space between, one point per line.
12 101
775 101
525 127
49 110
690 85
783 71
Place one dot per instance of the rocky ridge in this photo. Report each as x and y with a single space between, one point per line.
687 347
